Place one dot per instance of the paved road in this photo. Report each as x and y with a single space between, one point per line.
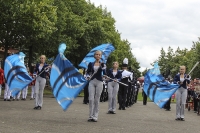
19 117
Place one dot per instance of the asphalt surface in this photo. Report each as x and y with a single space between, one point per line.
19 117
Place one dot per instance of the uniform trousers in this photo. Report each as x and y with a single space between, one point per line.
122 94
181 96
113 88
39 89
18 96
24 92
32 91
95 89
7 92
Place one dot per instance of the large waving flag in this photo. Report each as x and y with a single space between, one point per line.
157 88
65 79
106 49
16 74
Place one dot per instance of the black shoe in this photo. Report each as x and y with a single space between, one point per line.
4 99
35 107
8 100
167 110
124 108
182 119
109 112
178 119
39 108
93 120
120 108
113 112
90 120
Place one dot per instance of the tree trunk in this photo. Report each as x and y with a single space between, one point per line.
30 57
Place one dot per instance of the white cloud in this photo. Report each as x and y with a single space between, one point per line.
151 25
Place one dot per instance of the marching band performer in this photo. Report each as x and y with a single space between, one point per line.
122 93
113 87
130 90
137 87
95 85
41 69
181 94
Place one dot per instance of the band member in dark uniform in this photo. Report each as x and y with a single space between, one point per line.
104 93
122 94
144 95
167 105
137 87
129 91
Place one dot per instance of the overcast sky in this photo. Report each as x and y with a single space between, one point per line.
150 25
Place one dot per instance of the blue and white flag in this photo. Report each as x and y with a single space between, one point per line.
106 49
65 79
16 74
157 88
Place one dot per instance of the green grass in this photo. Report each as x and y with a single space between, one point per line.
48 91
140 98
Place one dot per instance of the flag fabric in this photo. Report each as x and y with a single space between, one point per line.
65 79
157 88
16 74
106 49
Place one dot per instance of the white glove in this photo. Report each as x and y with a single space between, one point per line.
103 66
188 77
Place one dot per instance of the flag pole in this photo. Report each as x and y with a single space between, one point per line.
193 68
117 81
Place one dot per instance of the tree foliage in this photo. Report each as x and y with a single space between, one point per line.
170 60
38 26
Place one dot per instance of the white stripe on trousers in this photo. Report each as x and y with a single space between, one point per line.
39 89
181 95
113 88
95 88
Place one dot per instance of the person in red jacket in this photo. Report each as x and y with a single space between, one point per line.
1 78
